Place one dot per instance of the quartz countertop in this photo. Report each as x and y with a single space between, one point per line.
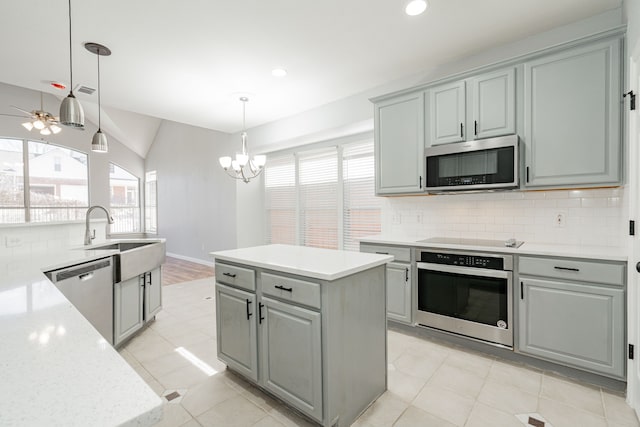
545 249
323 264
55 368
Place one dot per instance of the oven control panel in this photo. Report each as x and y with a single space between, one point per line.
463 260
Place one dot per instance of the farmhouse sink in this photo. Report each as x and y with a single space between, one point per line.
135 258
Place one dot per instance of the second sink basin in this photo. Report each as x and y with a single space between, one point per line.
124 246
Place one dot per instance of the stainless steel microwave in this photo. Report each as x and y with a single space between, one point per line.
484 164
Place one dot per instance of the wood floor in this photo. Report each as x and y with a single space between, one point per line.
176 270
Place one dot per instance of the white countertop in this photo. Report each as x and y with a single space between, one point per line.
546 249
55 368
323 264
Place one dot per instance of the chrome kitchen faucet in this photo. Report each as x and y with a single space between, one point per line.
88 237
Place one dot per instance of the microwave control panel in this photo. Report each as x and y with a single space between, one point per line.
463 260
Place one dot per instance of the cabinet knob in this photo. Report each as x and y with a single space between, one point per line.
638 267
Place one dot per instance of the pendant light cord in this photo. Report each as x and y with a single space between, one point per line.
99 114
70 51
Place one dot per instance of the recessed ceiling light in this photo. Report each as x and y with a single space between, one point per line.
415 7
278 72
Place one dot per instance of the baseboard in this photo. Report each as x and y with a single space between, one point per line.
196 260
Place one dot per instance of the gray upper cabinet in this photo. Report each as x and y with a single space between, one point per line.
447 105
572 117
481 106
399 144
493 103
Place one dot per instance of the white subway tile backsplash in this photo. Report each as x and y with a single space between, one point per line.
591 217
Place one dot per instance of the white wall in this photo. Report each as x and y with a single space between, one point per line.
196 199
99 193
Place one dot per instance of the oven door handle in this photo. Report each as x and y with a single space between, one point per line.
465 271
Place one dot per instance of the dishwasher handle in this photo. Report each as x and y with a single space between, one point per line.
83 271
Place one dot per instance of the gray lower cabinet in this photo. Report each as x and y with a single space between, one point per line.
399 292
318 346
128 309
292 354
236 330
399 280
567 319
572 117
135 302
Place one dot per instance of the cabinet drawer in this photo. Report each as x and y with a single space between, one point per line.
300 291
236 276
572 269
401 254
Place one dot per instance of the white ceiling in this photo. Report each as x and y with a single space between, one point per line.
189 60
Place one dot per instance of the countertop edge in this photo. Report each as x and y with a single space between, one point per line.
536 249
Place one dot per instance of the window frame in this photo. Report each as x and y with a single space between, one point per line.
139 201
26 182
337 145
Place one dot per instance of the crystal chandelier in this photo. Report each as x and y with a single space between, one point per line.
243 167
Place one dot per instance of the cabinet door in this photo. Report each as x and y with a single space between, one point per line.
572 117
493 98
236 330
399 292
128 311
292 355
574 324
399 144
152 294
447 113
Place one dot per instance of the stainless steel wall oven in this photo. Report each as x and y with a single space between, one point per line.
466 293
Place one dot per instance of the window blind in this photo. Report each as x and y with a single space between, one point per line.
361 208
280 199
318 199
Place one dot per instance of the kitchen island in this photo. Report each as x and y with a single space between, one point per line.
306 325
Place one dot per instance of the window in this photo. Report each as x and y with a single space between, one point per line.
361 208
12 203
280 199
125 200
318 188
323 198
58 183
151 203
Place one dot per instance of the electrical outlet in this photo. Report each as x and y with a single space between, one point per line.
560 219
396 219
419 218
13 241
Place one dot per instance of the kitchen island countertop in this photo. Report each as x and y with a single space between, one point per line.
323 264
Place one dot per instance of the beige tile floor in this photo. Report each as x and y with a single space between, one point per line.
429 384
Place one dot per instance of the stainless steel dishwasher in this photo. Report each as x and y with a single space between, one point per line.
89 287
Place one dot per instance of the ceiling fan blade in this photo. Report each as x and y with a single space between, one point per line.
15 115
24 111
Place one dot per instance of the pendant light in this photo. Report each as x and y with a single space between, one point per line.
99 141
71 112
243 167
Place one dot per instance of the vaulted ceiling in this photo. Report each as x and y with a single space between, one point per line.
189 60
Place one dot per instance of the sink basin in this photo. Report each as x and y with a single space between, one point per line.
123 246
135 258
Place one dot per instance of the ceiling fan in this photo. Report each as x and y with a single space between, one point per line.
40 120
